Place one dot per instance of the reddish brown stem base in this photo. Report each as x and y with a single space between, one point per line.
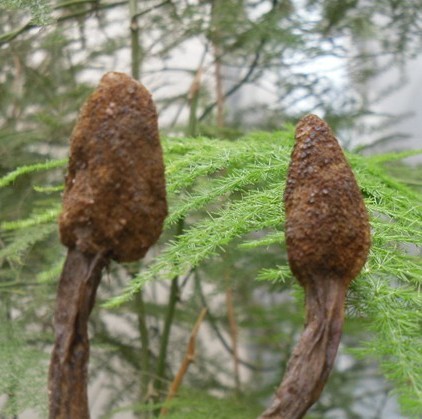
313 357
67 385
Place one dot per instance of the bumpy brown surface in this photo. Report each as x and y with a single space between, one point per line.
328 239
114 201
327 228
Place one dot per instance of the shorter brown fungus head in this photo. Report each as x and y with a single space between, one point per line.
327 227
328 239
114 200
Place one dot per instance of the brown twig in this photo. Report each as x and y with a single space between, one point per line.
213 323
245 79
187 360
193 98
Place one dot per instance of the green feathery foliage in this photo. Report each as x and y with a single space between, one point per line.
40 10
9 178
22 369
229 193
194 404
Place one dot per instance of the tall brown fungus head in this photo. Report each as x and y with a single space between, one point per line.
327 227
114 200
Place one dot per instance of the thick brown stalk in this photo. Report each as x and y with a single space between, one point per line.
313 357
328 239
68 369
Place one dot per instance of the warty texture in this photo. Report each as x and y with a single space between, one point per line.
114 201
327 227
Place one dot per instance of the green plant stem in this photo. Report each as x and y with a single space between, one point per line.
13 382
73 3
216 43
212 321
144 336
193 105
409 182
10 36
233 328
134 39
171 308
140 306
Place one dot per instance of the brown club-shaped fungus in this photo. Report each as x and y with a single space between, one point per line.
114 205
328 239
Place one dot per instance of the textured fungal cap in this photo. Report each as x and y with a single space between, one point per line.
114 199
327 227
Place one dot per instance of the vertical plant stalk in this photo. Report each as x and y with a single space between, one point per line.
328 240
193 98
231 316
219 86
165 337
144 337
114 205
7 323
168 322
136 50
187 360
215 36
79 280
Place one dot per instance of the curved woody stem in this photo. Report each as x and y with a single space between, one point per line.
313 357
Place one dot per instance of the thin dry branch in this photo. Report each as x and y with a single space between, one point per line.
245 79
187 360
